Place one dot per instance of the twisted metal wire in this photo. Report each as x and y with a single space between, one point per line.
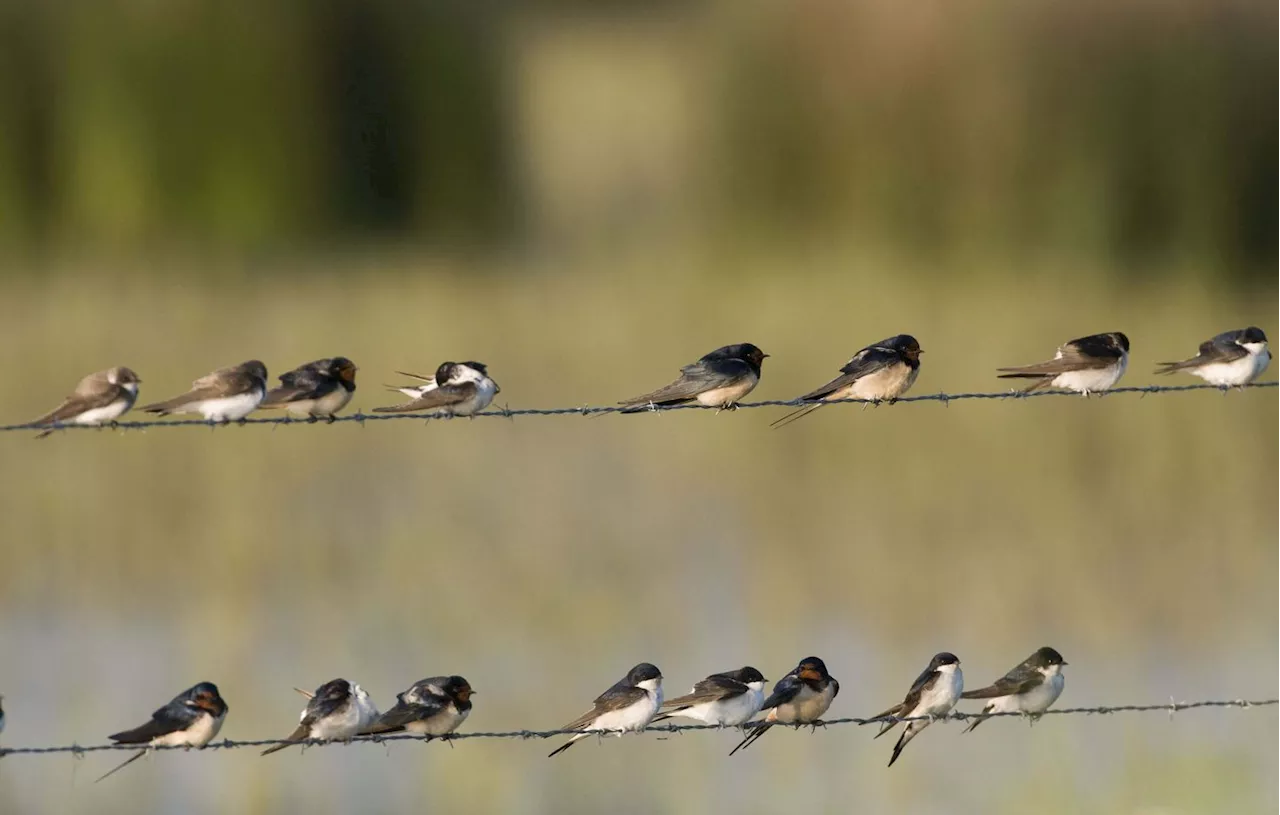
587 410
1170 708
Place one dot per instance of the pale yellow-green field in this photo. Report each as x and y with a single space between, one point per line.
542 557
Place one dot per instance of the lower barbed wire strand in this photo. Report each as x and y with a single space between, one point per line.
228 744
508 413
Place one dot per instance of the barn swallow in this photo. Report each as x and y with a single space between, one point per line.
432 707
1231 359
800 697
628 706
934 693
877 373
337 711
226 395
720 379
1029 688
317 390
192 718
100 398
460 389
726 699
1088 365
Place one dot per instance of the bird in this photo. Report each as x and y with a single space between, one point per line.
338 711
719 379
800 697
99 398
724 699
880 372
1030 688
432 707
191 719
457 389
934 693
316 390
1091 364
225 395
1 712
628 706
1231 359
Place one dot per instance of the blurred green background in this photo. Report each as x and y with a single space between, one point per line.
587 196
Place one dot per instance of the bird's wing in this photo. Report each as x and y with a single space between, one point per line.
703 375
712 689
440 397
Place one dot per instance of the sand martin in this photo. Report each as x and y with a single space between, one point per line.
880 372
934 693
800 697
1231 359
433 707
457 389
317 390
1029 688
100 398
628 706
337 711
727 699
720 380
1088 365
226 395
192 718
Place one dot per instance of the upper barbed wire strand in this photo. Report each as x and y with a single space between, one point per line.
586 410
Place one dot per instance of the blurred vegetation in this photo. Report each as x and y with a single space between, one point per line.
1138 132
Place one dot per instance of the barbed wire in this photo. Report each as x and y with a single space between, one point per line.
1170 708
588 410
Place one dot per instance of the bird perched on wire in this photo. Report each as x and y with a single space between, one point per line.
626 707
457 389
315 390
225 395
338 711
1232 359
1029 688
720 380
100 398
433 707
800 697
878 373
191 719
727 699
1087 365
934 693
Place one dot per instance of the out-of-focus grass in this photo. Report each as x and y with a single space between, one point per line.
543 557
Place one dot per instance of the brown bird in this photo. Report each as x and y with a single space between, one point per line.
100 398
226 395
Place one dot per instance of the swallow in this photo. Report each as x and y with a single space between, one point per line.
934 693
1088 365
432 707
878 373
1232 359
457 389
192 718
628 706
338 711
316 390
726 699
720 379
800 697
226 395
1029 688
100 398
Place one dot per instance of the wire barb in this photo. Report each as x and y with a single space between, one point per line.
507 412
1170 707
